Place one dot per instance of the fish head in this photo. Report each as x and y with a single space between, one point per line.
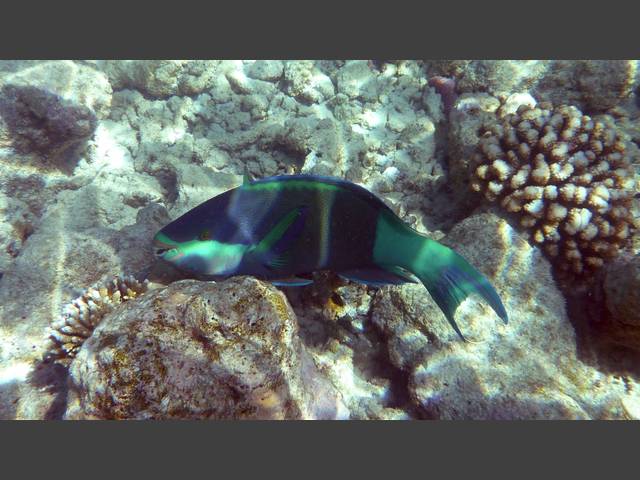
199 255
213 238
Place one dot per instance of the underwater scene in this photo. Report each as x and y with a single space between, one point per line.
325 239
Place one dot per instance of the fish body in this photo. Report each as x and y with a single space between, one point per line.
281 228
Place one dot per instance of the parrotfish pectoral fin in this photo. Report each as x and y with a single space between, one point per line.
273 249
377 277
292 282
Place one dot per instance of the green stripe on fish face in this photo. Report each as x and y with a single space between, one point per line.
204 256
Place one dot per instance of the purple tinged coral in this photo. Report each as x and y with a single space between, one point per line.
446 88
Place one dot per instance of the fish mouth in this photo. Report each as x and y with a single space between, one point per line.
160 248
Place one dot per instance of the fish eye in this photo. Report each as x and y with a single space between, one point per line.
204 235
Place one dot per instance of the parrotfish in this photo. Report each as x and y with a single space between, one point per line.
282 228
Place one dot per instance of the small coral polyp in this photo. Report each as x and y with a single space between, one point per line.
570 178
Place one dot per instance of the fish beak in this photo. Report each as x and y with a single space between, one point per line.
160 248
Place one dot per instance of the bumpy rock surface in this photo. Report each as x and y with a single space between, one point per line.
526 369
161 78
74 82
620 323
622 288
200 350
42 122
592 85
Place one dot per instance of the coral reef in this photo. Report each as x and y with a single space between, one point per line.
200 350
568 176
81 316
170 134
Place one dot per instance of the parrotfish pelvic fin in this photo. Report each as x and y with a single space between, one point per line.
292 282
448 277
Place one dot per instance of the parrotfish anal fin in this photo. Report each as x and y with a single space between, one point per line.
402 273
378 277
292 282
273 249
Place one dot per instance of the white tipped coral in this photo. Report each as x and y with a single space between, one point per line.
568 175
80 317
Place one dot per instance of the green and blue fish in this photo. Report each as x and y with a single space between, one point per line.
281 228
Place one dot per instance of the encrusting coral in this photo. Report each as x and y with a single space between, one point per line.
570 178
80 317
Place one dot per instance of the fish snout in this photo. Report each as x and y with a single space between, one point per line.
160 248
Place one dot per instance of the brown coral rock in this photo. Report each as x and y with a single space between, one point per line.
200 350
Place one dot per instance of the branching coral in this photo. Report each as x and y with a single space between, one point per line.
81 316
569 177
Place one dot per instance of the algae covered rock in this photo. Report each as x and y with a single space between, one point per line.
42 122
266 70
75 83
200 350
592 85
621 288
161 78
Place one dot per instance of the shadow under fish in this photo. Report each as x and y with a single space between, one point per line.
285 227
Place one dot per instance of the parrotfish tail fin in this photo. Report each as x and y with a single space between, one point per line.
450 279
